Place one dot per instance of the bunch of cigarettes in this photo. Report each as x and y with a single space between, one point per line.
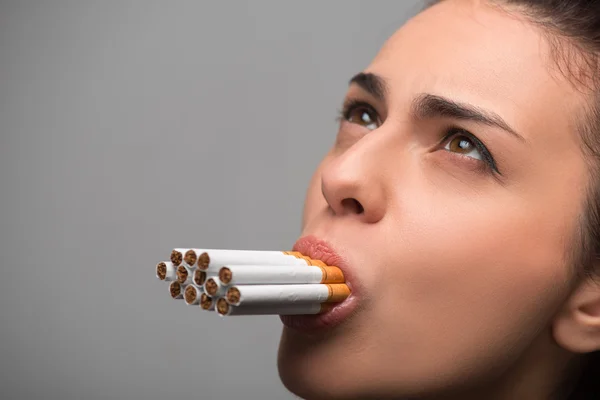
251 282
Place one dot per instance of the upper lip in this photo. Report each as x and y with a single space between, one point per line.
319 249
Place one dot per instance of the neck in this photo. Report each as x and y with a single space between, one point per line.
545 371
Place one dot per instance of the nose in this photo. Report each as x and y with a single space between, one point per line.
353 185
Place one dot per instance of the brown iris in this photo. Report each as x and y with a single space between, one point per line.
461 144
363 116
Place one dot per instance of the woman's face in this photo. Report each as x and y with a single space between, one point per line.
453 195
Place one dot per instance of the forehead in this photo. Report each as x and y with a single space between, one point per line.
475 52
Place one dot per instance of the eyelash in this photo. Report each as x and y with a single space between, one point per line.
487 157
352 104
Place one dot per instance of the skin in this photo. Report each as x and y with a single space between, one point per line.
466 291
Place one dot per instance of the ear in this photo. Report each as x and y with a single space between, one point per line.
577 326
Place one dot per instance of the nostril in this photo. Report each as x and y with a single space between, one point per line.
353 205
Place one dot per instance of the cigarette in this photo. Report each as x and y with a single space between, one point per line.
214 288
206 302
224 309
176 289
278 275
199 277
165 271
184 274
192 295
184 256
278 295
216 258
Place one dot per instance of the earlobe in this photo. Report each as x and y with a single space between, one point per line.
576 327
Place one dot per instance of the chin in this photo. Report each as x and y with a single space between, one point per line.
310 385
311 368
337 366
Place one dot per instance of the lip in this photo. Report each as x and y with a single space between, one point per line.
318 249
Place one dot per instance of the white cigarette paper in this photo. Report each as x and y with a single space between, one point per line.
252 282
272 295
225 309
165 271
214 259
278 275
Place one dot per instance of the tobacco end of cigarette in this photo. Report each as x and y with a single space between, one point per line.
206 301
338 292
199 277
175 289
190 257
211 286
176 257
225 275
182 274
161 271
190 294
233 296
203 261
222 306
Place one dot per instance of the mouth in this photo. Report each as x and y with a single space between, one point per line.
318 249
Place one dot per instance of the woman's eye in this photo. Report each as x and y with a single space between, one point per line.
363 115
463 145
462 142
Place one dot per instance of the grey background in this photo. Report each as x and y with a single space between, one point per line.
129 128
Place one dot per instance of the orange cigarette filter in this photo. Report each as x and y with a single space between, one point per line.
279 274
286 294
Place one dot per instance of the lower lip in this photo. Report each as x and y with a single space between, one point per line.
321 322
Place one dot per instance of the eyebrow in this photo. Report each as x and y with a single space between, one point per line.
371 83
427 106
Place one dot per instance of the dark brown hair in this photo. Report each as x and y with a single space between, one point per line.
572 28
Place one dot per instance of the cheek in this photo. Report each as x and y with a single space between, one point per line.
489 278
486 254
